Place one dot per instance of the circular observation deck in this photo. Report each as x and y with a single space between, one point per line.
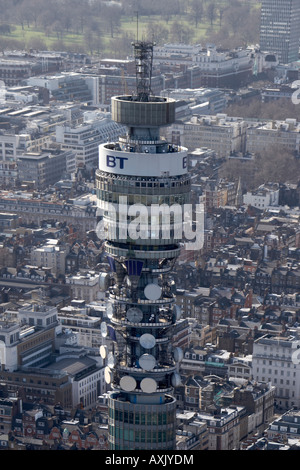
155 112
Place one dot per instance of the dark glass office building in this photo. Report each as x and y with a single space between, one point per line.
280 29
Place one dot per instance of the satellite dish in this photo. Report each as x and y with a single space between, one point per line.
147 341
128 383
152 291
104 281
178 354
148 385
103 351
103 329
147 362
176 380
177 312
134 315
107 375
111 361
109 310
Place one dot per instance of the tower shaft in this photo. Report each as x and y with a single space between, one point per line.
141 181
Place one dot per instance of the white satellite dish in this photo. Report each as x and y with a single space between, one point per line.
109 310
103 351
176 380
177 312
147 362
178 354
104 281
152 291
147 341
128 383
103 329
107 375
134 315
111 361
148 385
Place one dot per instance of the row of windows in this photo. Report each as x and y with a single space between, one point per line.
114 198
157 419
135 435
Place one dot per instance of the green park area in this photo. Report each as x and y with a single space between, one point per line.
107 28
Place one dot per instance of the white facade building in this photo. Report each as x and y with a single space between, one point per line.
50 256
262 197
277 360
263 135
84 139
221 133
88 286
87 377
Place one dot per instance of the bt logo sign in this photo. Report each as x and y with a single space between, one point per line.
140 164
113 162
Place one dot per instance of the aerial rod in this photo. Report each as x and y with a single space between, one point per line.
137 26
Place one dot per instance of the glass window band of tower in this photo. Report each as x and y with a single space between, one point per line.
143 424
136 185
142 190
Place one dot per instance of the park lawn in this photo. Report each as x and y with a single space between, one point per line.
129 26
28 36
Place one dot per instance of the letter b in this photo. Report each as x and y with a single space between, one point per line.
110 161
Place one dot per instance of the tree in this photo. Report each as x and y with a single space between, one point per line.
277 164
179 33
121 46
221 10
93 41
211 11
37 43
197 12
112 17
157 33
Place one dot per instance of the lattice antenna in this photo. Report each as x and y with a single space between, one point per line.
143 54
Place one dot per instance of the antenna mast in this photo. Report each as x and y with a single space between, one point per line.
143 54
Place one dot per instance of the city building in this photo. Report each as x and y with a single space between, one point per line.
279 29
200 100
284 427
14 71
86 326
258 399
29 339
84 139
223 134
87 377
69 86
12 145
81 213
42 169
262 136
263 197
49 370
9 407
223 428
147 170
208 66
87 286
275 359
51 255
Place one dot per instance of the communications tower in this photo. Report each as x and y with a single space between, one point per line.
142 171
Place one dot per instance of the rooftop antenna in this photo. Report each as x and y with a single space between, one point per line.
137 26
